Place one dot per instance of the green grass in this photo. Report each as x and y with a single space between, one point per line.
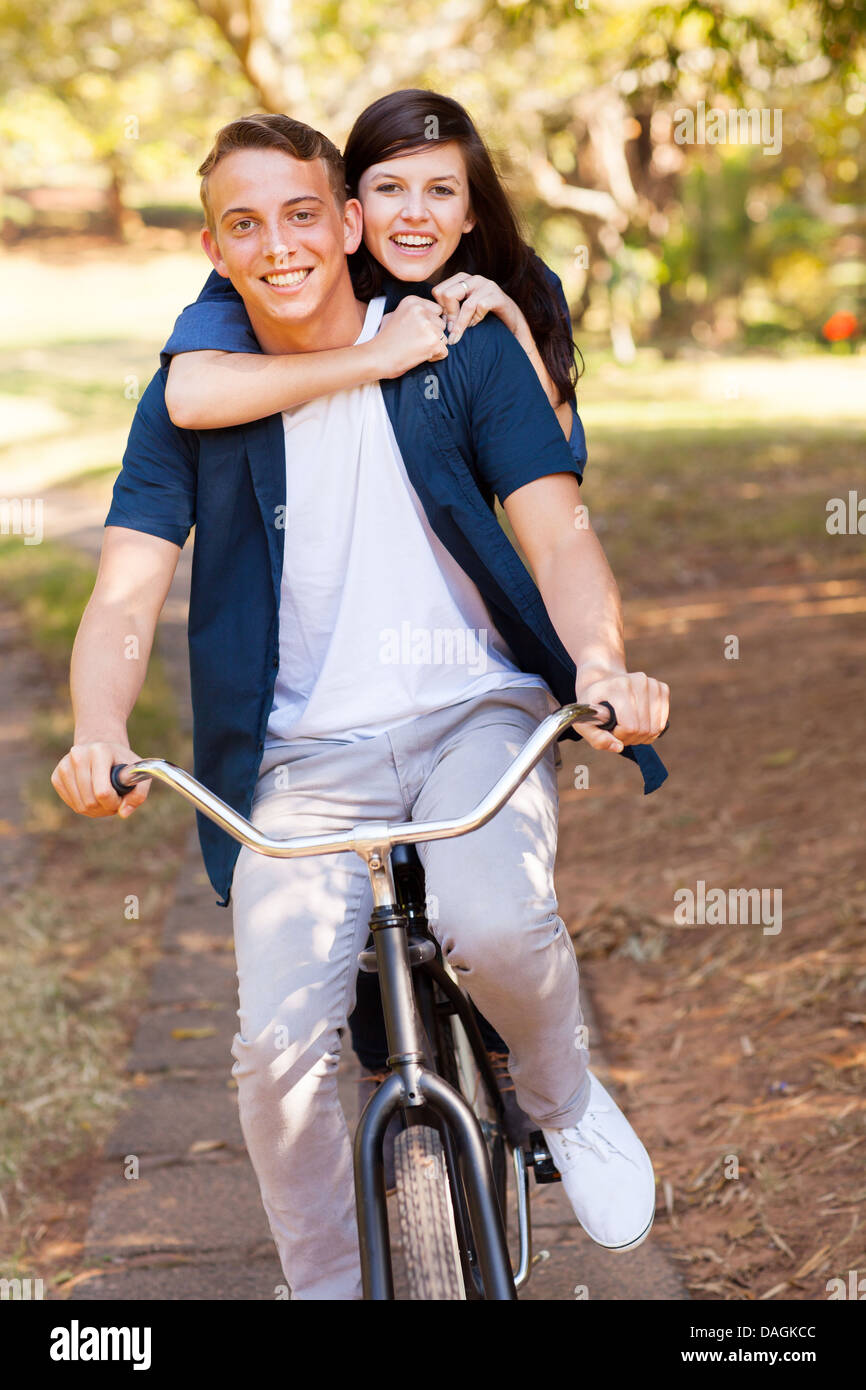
73 966
51 584
703 505
96 401
727 496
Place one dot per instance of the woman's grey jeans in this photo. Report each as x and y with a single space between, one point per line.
299 925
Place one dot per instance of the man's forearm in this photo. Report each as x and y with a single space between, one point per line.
109 664
583 601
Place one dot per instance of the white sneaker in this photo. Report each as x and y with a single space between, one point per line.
606 1172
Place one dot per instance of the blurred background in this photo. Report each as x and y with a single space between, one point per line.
107 110
717 287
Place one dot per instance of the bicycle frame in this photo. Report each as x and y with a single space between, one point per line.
413 1084
440 1027
440 1000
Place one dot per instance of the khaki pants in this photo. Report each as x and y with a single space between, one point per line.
299 926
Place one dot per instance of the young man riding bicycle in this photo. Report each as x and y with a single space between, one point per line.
369 508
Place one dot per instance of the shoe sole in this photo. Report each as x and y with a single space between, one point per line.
632 1244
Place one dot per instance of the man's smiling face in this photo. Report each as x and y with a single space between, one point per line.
282 241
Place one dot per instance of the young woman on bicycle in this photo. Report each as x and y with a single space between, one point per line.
437 215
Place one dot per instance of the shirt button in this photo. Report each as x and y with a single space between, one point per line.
276 662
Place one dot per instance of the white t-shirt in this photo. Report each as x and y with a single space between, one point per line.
378 622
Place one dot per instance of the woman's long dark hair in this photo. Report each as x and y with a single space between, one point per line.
413 119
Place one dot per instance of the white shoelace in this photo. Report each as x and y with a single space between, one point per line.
586 1134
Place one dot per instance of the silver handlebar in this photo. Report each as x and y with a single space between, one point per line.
373 840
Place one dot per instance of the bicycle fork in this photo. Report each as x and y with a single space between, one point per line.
413 1084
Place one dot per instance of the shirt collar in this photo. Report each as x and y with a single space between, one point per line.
395 290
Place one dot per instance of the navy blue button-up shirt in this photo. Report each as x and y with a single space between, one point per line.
474 426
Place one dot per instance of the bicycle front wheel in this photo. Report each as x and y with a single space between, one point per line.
426 1217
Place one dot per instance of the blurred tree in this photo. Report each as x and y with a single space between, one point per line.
582 104
579 99
128 75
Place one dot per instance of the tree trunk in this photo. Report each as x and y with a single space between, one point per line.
261 34
120 219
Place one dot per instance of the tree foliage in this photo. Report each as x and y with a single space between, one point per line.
577 99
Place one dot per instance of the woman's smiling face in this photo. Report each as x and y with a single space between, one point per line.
416 209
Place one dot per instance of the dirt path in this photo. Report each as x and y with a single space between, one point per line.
741 1049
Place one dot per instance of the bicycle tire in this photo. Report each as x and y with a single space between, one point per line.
443 1028
426 1218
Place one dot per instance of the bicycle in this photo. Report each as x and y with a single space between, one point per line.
451 1154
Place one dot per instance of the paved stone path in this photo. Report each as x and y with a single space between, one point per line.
190 1225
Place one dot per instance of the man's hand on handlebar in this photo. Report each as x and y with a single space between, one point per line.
82 779
642 706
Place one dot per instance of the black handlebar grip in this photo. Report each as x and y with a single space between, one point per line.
612 720
119 787
610 724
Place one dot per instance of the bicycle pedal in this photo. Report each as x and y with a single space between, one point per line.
538 1157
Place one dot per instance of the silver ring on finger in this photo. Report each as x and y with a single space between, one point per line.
464 287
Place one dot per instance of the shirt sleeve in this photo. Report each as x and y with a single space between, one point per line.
217 320
516 435
577 443
155 490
